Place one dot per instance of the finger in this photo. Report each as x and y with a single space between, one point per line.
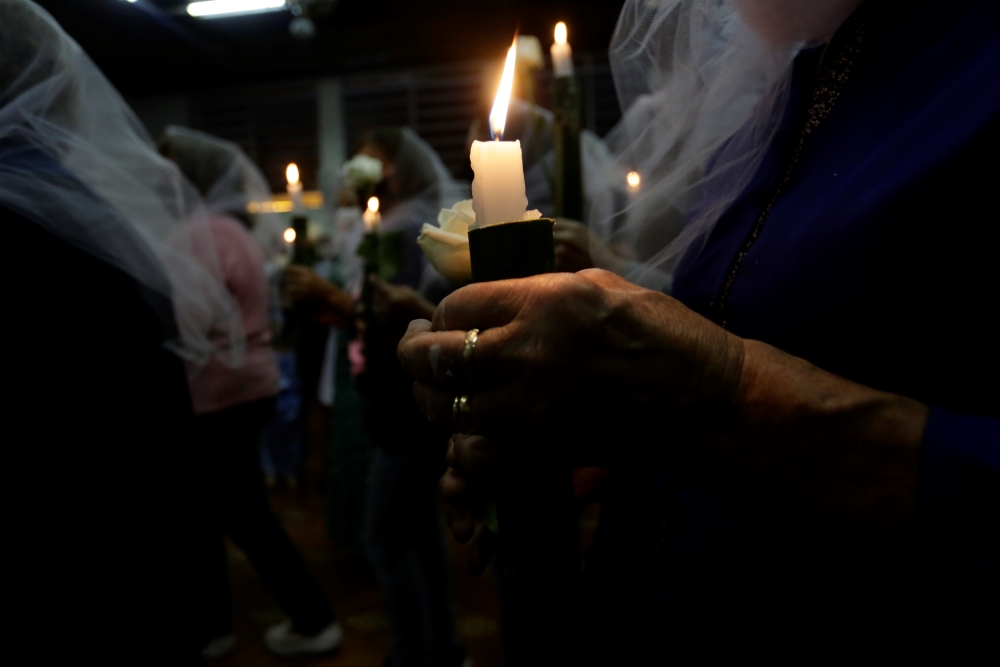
459 513
435 357
481 549
497 411
481 306
479 459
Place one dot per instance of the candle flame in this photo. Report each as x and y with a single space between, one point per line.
634 180
498 116
289 235
373 204
292 174
561 33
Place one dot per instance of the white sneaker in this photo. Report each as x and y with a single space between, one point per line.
219 647
282 640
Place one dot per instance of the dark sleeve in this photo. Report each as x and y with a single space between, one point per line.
958 510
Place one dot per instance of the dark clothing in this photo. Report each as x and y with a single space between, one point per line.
239 508
101 509
868 248
406 548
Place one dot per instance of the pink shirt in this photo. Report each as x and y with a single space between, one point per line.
216 386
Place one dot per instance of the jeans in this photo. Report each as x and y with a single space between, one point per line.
239 508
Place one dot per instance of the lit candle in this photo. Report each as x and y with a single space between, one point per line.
294 186
371 217
498 187
634 181
562 54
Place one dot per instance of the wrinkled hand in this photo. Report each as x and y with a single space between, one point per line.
582 355
397 305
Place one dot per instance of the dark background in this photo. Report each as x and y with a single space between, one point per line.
431 65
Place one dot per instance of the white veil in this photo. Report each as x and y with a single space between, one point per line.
702 84
228 181
428 188
75 160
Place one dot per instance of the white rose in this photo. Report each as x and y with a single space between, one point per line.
447 246
363 171
529 53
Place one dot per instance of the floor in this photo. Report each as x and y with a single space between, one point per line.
353 592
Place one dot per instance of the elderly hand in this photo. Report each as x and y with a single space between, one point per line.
589 369
577 354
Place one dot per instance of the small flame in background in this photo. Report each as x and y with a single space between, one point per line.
373 204
289 235
498 116
561 33
634 181
292 174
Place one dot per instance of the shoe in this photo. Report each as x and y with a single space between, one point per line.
282 640
219 647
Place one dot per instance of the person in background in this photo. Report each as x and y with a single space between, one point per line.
121 296
403 521
232 404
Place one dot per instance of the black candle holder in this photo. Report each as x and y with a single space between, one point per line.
537 540
512 250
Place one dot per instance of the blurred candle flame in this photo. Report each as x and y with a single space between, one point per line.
498 116
561 33
634 180
373 204
289 235
292 174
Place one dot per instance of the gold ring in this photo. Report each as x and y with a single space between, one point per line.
471 339
461 414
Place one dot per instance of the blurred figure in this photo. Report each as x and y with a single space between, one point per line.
403 522
232 405
110 282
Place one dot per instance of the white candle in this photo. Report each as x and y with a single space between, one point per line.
498 187
294 186
562 53
371 217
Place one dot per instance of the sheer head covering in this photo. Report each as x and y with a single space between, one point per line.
228 181
415 184
75 160
703 84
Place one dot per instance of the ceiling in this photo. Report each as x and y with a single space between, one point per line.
152 47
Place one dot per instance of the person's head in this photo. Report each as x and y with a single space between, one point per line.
407 171
218 169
